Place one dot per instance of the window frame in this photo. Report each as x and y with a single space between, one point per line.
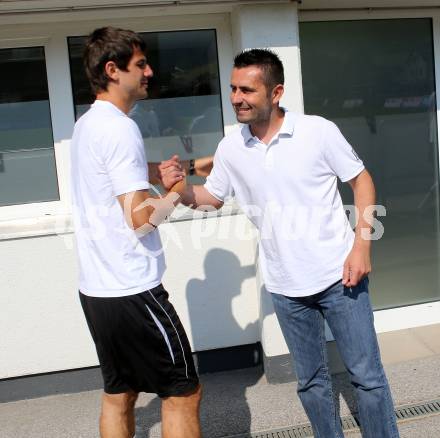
420 314
35 209
54 217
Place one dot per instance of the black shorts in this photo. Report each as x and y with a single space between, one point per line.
141 344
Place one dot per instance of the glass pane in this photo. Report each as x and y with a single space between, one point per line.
183 111
375 80
27 161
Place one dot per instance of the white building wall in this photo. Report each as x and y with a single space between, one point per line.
41 324
210 277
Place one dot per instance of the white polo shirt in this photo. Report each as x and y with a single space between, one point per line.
107 160
288 189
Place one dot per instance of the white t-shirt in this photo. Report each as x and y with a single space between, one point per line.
288 189
108 159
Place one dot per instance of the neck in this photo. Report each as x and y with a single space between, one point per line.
266 129
117 100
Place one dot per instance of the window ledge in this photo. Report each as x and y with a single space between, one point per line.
63 224
38 226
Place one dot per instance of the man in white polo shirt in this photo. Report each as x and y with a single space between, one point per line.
282 169
140 341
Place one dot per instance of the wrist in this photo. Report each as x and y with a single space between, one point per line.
361 243
179 187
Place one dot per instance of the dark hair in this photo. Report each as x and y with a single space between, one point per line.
267 60
108 44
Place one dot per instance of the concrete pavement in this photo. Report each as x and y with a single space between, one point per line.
234 402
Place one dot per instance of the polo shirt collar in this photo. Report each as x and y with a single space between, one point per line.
286 128
288 123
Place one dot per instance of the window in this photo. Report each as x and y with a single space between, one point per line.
375 80
183 111
27 161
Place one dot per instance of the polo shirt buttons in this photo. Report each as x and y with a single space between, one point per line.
269 161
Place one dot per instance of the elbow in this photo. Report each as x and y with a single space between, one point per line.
142 228
140 224
133 221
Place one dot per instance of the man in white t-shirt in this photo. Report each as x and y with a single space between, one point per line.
282 169
140 341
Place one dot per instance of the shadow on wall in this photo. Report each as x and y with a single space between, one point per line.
224 408
211 303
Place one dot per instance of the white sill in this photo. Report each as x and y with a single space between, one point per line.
48 225
36 226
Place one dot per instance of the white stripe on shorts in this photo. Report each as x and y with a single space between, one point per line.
162 330
177 333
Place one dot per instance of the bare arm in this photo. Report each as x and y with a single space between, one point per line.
196 196
202 166
358 263
144 212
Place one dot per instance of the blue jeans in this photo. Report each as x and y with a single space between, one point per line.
350 317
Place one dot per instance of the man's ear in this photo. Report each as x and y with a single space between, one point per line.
277 93
111 70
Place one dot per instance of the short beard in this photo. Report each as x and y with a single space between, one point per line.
263 116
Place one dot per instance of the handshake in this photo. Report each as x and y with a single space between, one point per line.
173 172
144 212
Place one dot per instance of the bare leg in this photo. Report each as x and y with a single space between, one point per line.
117 416
180 415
